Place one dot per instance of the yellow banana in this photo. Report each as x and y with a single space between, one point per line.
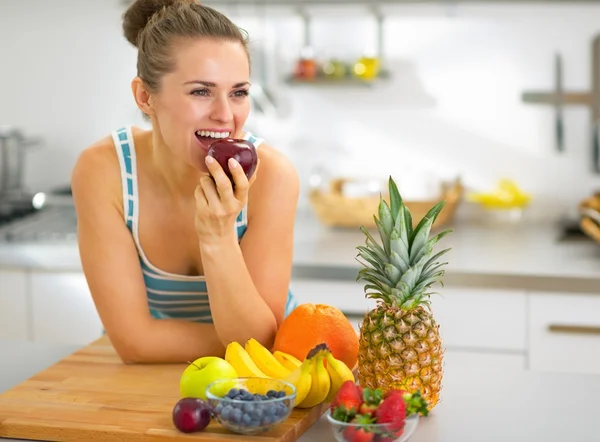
320 384
287 360
301 378
239 358
265 360
338 373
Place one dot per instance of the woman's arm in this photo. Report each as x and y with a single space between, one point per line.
111 266
248 284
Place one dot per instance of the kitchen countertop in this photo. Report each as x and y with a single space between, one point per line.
486 398
526 256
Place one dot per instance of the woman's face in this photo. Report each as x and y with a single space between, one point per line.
204 98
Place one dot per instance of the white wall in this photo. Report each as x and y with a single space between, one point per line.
453 106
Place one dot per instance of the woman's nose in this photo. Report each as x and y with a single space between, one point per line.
221 110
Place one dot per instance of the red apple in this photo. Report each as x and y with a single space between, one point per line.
243 151
191 414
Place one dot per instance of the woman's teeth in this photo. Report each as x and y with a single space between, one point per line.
206 133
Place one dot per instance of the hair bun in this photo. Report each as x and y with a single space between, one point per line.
139 14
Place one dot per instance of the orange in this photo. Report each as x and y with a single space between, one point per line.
311 324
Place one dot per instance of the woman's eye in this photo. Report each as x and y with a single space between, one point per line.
201 92
241 93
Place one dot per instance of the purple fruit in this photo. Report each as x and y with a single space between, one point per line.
243 151
191 414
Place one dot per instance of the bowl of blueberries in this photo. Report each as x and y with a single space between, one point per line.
251 405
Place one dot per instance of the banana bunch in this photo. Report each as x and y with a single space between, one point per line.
507 195
317 379
315 382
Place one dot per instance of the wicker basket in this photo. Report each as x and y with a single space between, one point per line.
334 209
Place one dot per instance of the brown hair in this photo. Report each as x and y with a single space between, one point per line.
153 25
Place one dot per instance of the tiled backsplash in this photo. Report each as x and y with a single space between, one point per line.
452 107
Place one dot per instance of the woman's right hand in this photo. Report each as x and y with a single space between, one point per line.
218 204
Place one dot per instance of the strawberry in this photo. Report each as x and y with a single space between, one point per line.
414 401
371 400
392 411
347 402
358 432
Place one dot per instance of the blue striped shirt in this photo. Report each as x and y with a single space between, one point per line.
170 296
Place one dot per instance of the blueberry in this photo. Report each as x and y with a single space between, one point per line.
233 393
246 419
226 411
257 413
236 415
271 393
219 407
267 420
248 407
254 423
280 393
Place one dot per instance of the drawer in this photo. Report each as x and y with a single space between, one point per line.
468 318
564 333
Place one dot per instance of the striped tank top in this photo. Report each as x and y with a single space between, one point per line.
170 296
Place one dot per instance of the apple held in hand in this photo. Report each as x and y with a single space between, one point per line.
200 373
243 151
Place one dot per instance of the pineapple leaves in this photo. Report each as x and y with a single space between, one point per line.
408 222
398 262
385 217
383 234
376 248
410 277
371 257
393 273
428 247
395 198
371 275
431 214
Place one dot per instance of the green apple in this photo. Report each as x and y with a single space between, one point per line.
200 373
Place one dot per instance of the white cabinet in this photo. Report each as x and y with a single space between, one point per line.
14 316
488 319
469 318
564 332
63 309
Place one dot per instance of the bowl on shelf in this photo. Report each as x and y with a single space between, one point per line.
251 405
345 431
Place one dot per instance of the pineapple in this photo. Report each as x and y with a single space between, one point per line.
400 345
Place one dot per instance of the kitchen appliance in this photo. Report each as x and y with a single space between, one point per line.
15 201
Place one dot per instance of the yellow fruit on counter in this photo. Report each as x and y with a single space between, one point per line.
301 378
265 361
320 383
239 358
338 373
287 360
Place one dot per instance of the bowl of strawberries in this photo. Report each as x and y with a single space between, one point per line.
361 414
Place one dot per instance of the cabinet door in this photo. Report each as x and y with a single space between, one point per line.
486 319
14 316
63 309
564 333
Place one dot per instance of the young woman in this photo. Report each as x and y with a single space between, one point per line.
179 264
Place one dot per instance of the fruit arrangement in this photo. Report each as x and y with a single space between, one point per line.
251 405
400 347
364 415
243 151
316 378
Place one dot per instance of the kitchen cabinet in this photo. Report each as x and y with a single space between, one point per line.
14 305
469 318
62 308
564 332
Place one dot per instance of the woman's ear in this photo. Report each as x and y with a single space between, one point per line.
142 96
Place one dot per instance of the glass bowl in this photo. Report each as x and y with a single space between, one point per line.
251 405
343 431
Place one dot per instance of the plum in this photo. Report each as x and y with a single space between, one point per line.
243 151
191 414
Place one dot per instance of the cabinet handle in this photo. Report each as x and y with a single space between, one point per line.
575 329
